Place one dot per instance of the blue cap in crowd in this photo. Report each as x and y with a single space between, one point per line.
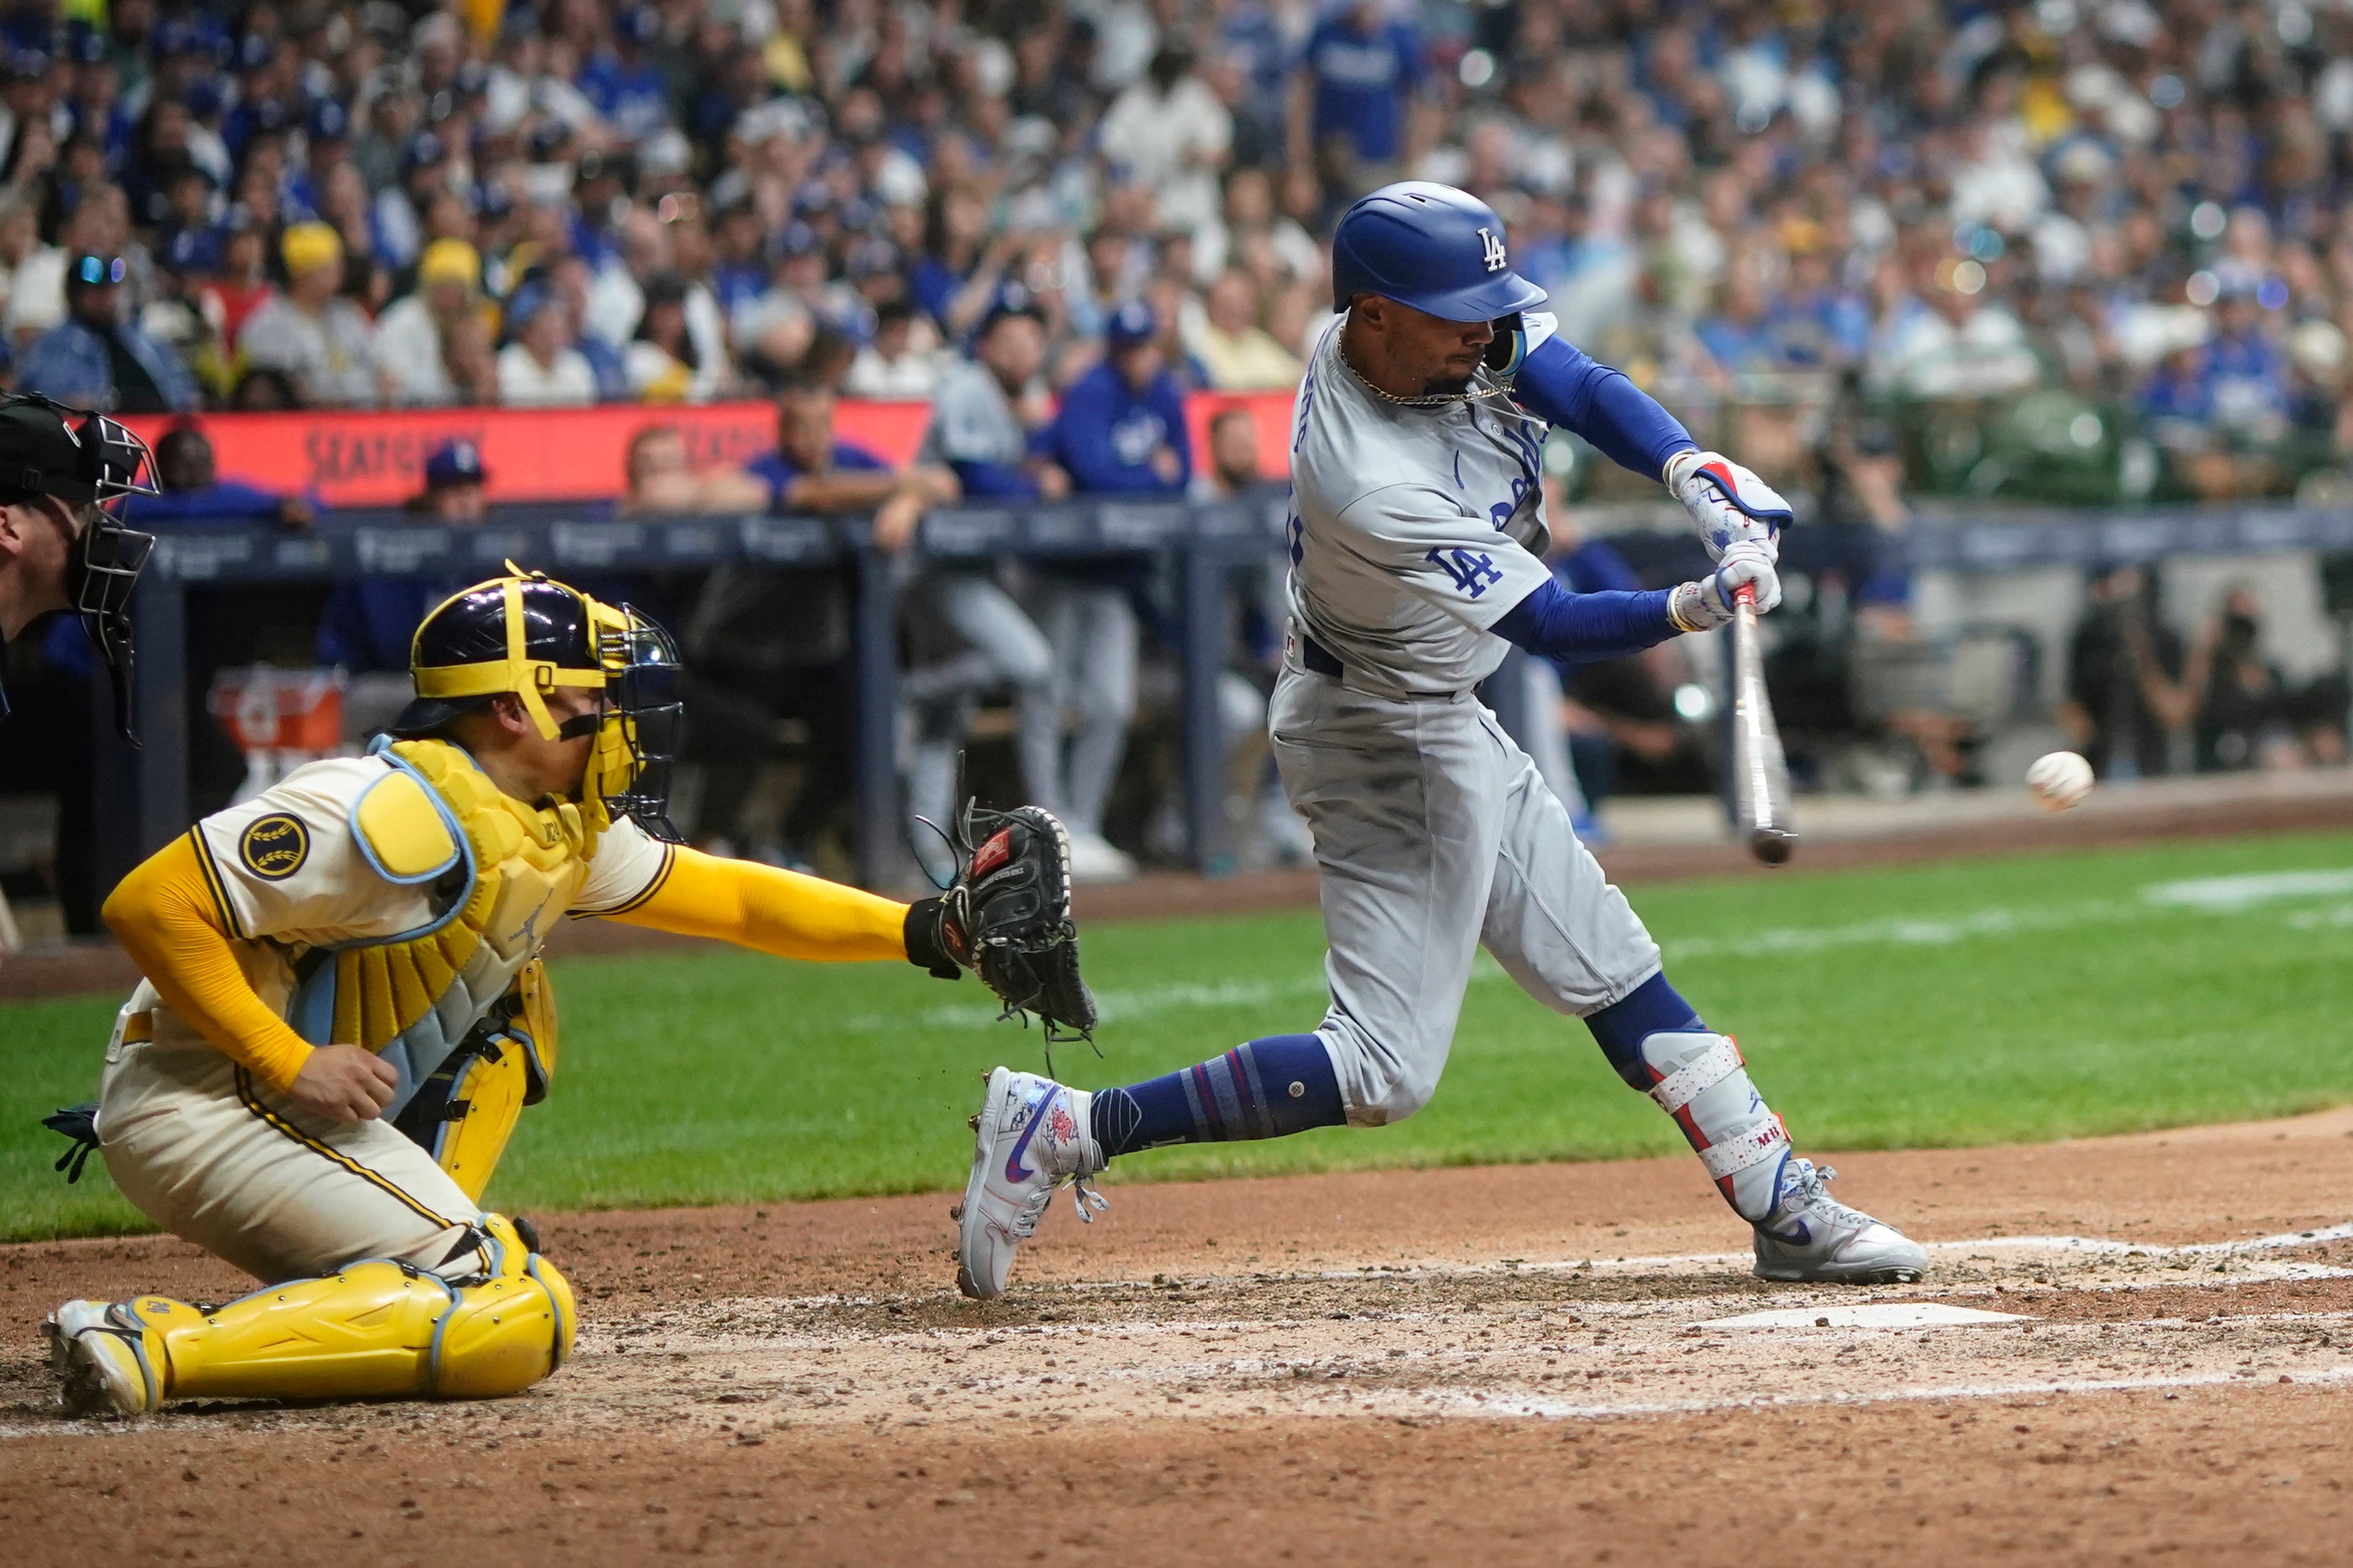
1011 299
639 25
455 463
1131 324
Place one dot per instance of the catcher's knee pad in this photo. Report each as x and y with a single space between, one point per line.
466 1110
374 1330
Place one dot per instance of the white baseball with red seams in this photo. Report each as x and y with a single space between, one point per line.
2060 780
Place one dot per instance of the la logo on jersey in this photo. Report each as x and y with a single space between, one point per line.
1474 574
1494 244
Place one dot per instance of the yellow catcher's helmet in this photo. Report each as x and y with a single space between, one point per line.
526 635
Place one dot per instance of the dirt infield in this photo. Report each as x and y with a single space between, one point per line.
2128 1349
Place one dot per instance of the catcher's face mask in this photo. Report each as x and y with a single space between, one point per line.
90 465
618 652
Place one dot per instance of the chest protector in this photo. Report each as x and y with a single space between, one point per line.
497 875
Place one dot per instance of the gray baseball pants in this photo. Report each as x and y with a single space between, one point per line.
1436 835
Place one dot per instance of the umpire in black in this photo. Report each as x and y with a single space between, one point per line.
64 473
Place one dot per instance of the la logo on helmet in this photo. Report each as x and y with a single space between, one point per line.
1494 244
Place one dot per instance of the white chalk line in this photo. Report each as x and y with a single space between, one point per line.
1564 1411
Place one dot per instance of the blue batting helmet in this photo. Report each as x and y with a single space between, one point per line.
1431 246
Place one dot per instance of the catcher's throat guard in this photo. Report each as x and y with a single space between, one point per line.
524 635
92 464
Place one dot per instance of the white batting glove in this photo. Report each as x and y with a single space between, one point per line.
1729 503
1709 603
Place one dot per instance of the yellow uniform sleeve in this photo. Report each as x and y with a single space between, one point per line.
777 911
169 921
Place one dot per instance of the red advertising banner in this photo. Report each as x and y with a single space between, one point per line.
377 459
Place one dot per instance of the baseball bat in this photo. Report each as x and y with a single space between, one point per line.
1760 773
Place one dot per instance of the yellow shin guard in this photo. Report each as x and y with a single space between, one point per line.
375 1330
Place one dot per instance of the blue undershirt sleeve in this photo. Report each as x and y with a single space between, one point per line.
1561 384
1002 481
1554 622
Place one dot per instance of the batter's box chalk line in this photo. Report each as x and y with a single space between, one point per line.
1875 1315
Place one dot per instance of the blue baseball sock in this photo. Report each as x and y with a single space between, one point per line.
1651 1008
1267 1088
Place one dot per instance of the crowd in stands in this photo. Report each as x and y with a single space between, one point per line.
2079 249
2110 227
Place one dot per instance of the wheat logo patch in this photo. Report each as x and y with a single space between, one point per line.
275 847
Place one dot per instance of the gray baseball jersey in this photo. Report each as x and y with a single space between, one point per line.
1413 527
972 420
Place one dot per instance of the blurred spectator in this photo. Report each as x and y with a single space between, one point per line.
1357 77
658 480
230 296
409 333
663 362
1169 133
1239 354
2125 666
37 292
966 635
470 356
2245 709
193 494
770 642
369 622
95 359
900 363
1233 468
990 411
321 342
542 368
1121 430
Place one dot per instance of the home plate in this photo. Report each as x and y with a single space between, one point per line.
1877 1315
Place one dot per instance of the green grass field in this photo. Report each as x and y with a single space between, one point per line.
2006 1000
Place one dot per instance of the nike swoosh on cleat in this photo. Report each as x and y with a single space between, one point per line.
1013 1170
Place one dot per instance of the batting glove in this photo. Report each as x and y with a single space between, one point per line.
1709 603
1728 504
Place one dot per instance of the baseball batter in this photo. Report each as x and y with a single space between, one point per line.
343 1010
1417 535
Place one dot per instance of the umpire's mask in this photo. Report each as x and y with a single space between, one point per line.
89 465
526 635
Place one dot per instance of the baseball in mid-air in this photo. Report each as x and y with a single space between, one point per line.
2060 779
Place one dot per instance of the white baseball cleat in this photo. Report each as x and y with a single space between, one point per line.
1812 1237
1032 1136
100 1365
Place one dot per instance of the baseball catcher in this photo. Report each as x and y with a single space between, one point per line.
344 1012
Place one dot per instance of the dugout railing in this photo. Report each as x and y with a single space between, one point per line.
142 795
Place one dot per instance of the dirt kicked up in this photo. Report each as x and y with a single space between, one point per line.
2130 1349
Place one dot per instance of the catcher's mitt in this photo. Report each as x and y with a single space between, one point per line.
1007 914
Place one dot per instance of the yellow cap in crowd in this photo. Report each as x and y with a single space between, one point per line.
309 246
451 261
